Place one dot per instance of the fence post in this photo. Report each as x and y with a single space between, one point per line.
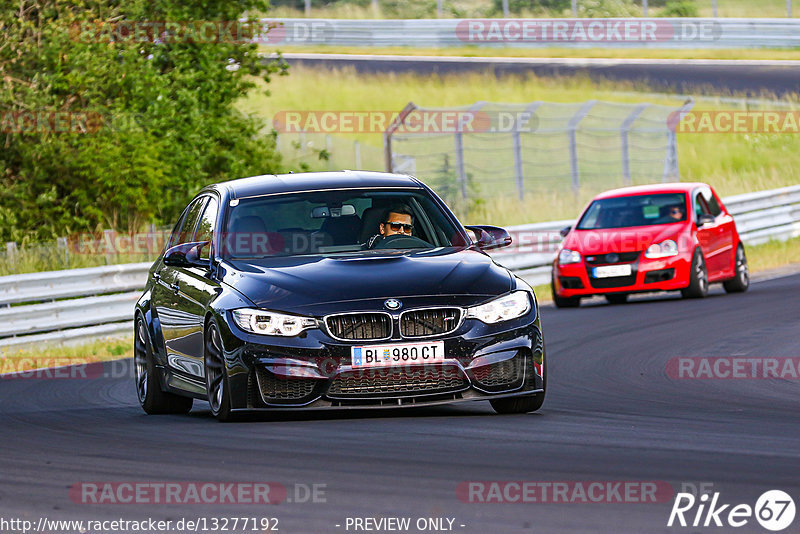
438 8
644 8
572 128
671 169
574 8
714 8
308 8
329 150
505 9
522 118
387 135
789 8
357 150
461 175
624 130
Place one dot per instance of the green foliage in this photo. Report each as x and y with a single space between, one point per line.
127 130
681 8
532 6
608 8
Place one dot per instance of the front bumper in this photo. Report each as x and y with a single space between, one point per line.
315 371
663 274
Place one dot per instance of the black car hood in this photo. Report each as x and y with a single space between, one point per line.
285 284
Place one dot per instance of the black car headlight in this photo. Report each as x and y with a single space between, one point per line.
505 308
271 323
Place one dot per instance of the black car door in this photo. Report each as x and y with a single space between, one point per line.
183 293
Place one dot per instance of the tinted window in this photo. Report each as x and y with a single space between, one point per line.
206 227
186 234
638 210
329 222
711 202
700 206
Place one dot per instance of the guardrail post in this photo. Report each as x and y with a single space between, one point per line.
624 131
572 128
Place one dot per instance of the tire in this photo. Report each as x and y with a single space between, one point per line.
617 298
518 405
148 389
563 302
741 281
218 389
698 278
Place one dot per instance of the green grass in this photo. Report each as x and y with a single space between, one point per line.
732 163
12 360
556 52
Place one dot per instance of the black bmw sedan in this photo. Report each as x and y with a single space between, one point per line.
337 289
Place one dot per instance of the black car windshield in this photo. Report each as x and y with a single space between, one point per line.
639 210
336 222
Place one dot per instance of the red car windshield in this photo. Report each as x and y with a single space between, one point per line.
639 210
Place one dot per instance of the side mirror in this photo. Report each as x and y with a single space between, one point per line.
186 255
564 231
490 237
704 219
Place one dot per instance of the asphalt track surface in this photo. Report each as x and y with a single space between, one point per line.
752 78
612 414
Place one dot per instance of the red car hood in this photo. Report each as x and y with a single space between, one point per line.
633 239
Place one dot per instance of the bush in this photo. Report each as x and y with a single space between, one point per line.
518 6
164 122
681 8
608 8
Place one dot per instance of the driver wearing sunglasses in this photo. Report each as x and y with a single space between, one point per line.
398 220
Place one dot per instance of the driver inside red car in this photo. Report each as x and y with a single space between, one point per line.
398 220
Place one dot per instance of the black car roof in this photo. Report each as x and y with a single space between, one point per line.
313 181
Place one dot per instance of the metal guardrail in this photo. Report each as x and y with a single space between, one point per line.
534 33
46 311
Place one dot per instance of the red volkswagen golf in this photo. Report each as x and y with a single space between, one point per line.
661 237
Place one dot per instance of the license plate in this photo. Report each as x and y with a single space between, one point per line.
397 354
609 271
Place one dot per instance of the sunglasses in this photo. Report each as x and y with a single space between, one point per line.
397 227
676 210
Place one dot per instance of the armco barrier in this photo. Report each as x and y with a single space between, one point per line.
531 33
48 311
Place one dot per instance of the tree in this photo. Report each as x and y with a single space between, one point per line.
103 128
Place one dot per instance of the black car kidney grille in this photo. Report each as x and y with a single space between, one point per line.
414 380
429 322
360 326
503 375
276 389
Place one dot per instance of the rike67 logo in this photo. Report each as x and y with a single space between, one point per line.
774 510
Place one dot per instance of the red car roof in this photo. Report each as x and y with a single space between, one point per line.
675 187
